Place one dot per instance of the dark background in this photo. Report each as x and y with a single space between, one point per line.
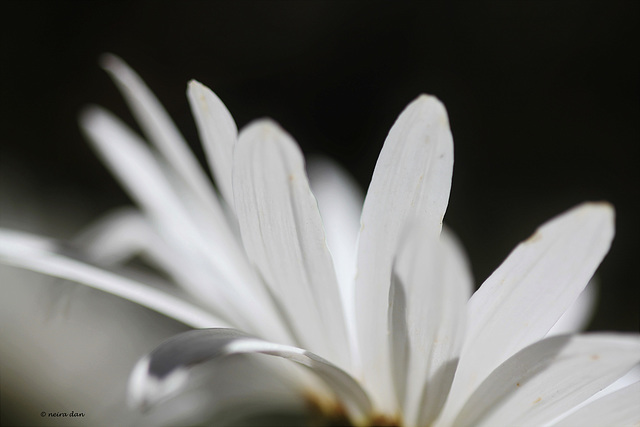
542 98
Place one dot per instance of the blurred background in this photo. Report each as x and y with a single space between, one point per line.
543 100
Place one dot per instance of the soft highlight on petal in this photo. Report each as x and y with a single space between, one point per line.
282 232
549 378
520 302
412 178
218 133
620 408
429 291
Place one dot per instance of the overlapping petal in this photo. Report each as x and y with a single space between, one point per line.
549 378
520 302
429 291
210 253
620 408
283 236
218 134
165 370
412 178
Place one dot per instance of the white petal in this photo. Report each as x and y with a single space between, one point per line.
548 378
631 377
577 317
621 408
165 370
226 282
116 237
340 203
218 133
283 235
412 179
159 128
429 291
520 302
39 254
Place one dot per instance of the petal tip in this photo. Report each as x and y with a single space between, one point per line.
110 62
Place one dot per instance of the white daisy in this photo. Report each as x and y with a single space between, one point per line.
387 328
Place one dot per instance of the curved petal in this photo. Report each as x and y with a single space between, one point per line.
218 133
160 129
116 237
548 378
41 255
430 288
520 302
165 370
620 408
412 178
283 235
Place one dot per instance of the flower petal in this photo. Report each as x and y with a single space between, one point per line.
165 370
429 291
283 235
548 378
620 408
412 178
210 252
218 133
520 302
340 204
160 129
42 255
116 237
577 317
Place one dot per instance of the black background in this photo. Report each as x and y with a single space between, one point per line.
542 98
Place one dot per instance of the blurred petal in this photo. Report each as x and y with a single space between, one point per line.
210 252
430 288
412 178
283 235
548 378
340 203
165 370
160 129
116 237
218 133
42 255
620 408
520 302
577 317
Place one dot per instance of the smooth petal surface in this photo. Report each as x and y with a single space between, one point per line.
412 178
520 302
218 133
340 203
165 370
116 237
283 235
41 255
577 317
621 408
548 378
429 291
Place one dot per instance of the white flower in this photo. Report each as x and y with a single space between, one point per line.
395 336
